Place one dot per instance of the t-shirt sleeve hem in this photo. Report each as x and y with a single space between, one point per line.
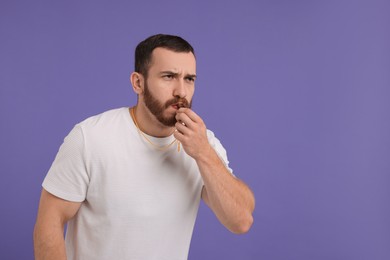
60 194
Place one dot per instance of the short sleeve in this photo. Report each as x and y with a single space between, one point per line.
216 144
68 177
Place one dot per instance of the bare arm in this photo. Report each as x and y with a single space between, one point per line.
53 213
229 198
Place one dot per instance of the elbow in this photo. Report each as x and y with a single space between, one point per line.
243 226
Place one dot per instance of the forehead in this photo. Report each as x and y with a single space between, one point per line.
180 62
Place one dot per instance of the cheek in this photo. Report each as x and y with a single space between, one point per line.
191 93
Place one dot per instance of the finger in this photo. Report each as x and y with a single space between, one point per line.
182 128
185 120
191 114
179 136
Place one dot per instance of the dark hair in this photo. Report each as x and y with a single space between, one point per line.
143 51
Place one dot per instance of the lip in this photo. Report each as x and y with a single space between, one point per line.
179 105
176 106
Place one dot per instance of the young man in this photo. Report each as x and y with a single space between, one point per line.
128 182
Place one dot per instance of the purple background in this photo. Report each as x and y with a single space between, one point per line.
297 91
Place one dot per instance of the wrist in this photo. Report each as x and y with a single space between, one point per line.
206 154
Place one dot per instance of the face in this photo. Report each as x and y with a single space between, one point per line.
157 108
170 84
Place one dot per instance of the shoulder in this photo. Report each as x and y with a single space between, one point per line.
212 138
103 125
105 118
210 134
106 121
214 141
218 147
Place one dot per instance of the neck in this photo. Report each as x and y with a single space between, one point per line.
148 123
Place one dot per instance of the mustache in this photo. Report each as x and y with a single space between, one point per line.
181 102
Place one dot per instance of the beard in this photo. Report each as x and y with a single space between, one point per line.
157 108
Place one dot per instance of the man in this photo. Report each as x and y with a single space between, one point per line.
128 182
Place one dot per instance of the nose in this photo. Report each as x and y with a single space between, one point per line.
180 89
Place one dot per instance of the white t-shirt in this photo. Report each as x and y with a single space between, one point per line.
138 202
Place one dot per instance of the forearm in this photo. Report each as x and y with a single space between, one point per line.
230 199
49 242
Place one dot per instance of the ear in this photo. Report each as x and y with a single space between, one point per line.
137 81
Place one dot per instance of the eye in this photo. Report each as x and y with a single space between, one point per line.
168 76
190 79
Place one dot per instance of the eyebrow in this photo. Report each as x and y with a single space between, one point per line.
176 74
